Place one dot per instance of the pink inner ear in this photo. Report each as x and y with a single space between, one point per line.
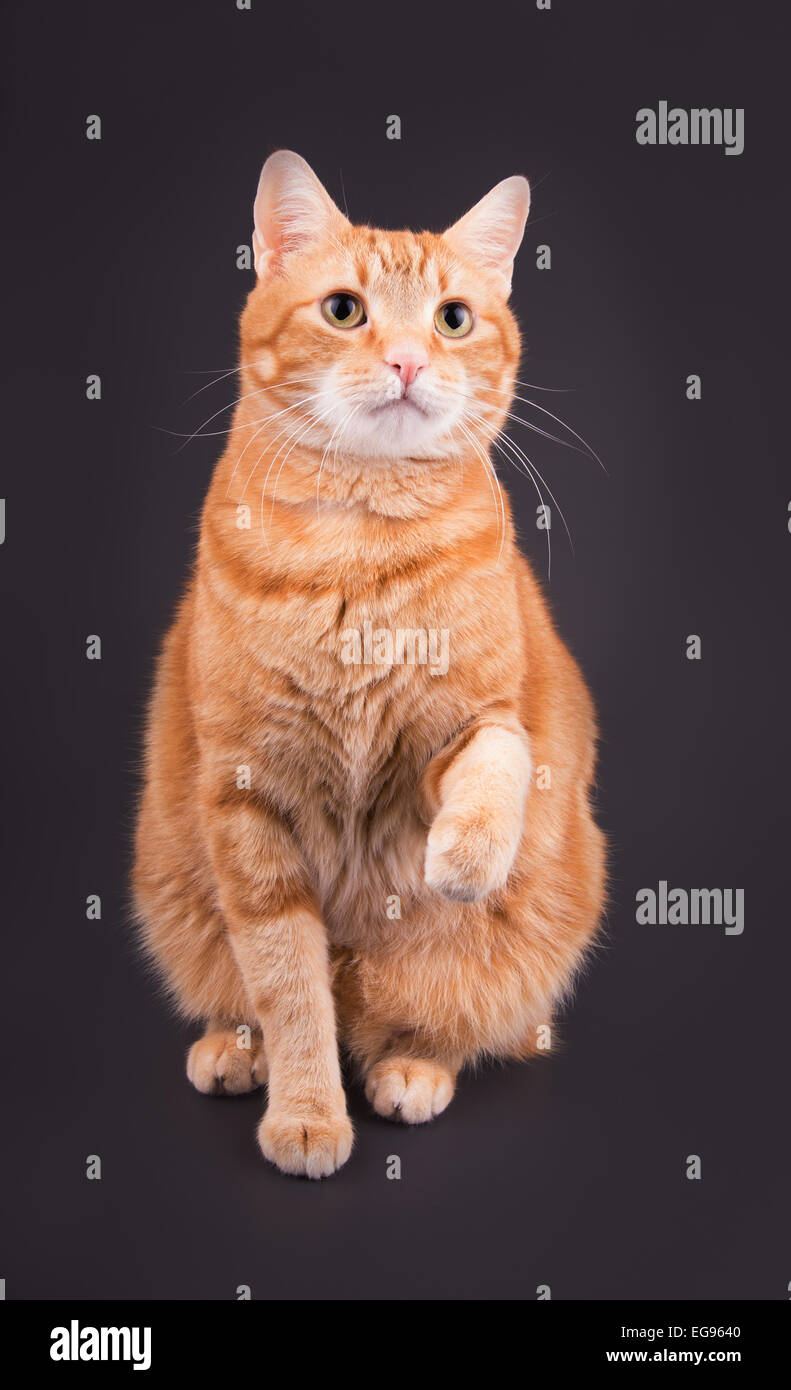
292 208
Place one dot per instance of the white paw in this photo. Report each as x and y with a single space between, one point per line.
468 857
311 1146
217 1066
409 1089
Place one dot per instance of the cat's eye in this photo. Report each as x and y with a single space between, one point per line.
343 310
453 320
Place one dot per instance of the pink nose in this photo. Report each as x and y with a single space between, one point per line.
407 361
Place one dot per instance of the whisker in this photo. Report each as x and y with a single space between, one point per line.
306 400
272 462
586 447
520 420
541 500
557 419
221 411
304 420
312 421
530 467
234 371
522 456
222 377
490 473
338 427
493 433
532 386
198 433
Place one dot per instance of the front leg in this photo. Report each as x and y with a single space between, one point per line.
279 941
477 789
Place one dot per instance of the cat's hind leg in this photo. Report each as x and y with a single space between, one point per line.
408 1074
227 1060
411 1089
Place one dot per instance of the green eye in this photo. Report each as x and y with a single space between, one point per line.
343 310
453 320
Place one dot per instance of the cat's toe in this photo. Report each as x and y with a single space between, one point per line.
217 1066
311 1146
409 1089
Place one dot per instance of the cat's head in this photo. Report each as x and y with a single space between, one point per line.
381 344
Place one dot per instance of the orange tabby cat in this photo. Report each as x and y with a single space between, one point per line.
342 837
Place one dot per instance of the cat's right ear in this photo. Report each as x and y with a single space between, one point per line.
292 211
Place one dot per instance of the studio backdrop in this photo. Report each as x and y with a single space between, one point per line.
647 1156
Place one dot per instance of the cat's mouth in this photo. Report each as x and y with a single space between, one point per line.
388 421
402 403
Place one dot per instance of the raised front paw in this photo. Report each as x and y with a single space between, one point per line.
310 1145
480 813
469 855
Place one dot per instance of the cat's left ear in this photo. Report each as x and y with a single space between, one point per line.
293 210
490 234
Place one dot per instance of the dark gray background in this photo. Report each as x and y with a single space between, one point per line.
120 260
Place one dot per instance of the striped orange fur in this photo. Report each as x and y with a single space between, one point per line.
335 848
